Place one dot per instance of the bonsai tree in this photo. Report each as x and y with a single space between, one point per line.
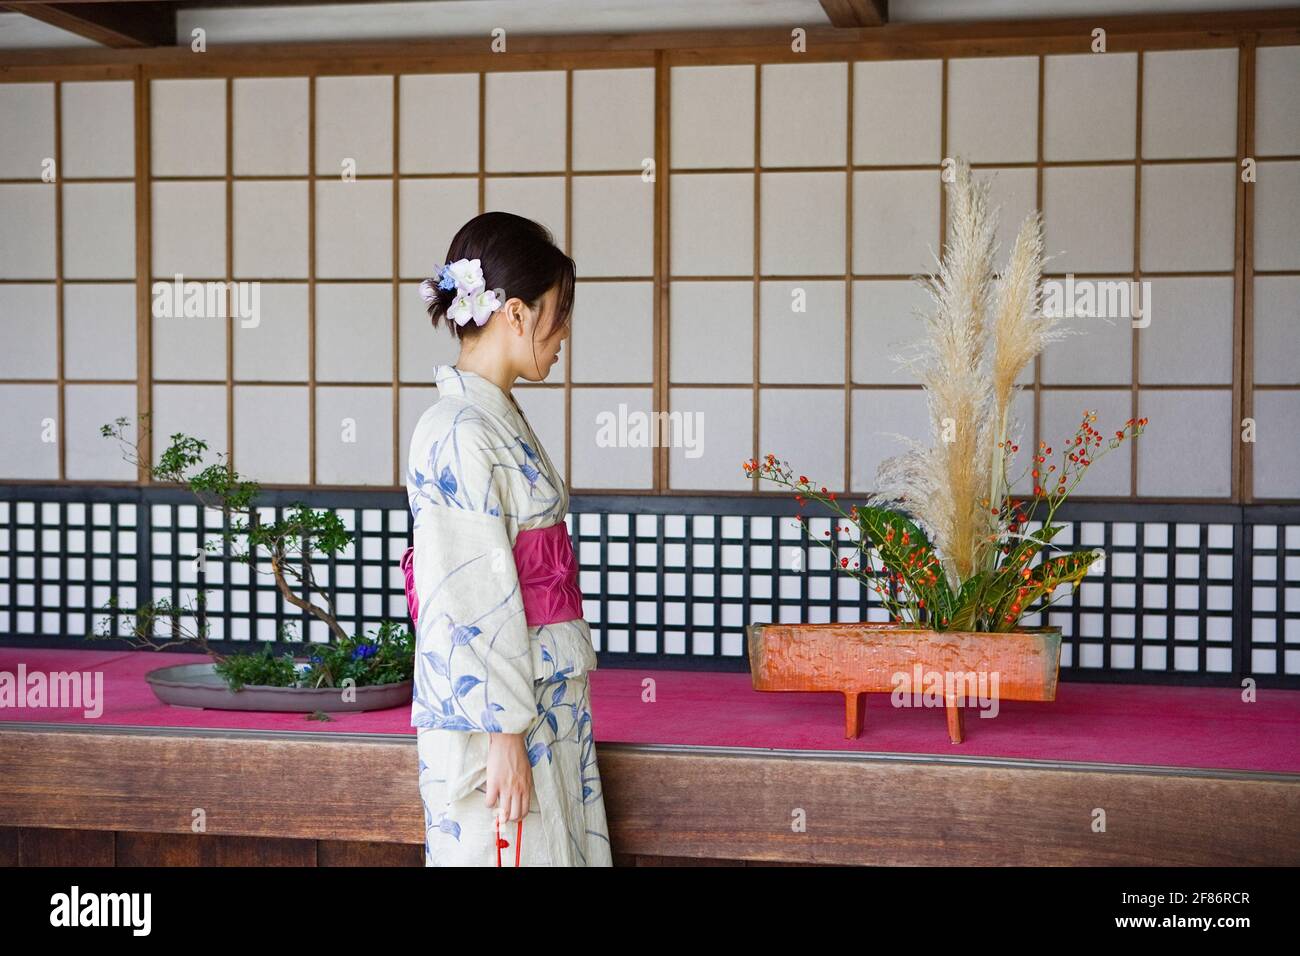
289 544
955 548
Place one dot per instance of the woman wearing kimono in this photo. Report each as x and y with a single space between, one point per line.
507 760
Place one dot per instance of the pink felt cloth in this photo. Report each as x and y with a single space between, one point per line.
548 576
1198 727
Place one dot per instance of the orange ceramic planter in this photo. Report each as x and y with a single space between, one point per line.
862 658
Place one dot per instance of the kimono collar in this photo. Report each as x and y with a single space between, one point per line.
475 389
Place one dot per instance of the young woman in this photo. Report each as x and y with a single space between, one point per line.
507 760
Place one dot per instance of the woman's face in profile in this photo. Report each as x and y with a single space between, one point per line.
545 348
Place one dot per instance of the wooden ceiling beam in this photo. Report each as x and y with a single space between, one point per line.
856 13
117 25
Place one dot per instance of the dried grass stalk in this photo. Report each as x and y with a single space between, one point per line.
983 330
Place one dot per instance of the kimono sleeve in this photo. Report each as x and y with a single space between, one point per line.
473 661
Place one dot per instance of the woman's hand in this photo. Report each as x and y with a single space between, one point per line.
509 776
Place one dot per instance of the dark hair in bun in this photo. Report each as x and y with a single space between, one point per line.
517 255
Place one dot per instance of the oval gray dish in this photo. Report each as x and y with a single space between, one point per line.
198 685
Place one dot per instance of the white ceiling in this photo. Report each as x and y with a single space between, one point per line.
431 18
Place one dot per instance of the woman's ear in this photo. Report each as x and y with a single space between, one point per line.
516 315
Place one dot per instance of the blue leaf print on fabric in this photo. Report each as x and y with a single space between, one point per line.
558 694
528 450
535 753
437 662
447 482
490 723
463 634
464 684
446 825
453 723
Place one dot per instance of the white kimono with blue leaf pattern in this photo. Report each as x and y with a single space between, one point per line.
476 476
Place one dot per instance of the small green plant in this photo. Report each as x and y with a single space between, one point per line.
291 543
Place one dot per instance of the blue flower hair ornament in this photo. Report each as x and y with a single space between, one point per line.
473 299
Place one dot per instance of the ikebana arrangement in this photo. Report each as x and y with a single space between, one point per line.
350 672
959 556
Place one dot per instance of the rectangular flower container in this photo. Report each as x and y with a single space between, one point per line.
855 659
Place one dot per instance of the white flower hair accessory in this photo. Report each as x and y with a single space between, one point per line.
473 299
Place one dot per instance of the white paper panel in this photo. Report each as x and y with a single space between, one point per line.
99 330
712 116
275 347
802 223
1090 106
28 329
28 107
26 231
525 121
270 230
885 325
1277 100
613 118
609 450
189 229
424 144
712 224
1088 219
897 111
785 334
354 125
993 109
1188 217
1277 444
716 428
198 411
1277 330
98 128
783 429
703 314
1062 411
354 436
895 221
1189 339
29 432
879 415
1189 103
613 225
613 332
354 332
270 126
188 127
805 110
1277 216
1170 464
89 455
354 229
271 433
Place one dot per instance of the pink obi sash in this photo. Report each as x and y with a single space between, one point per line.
548 576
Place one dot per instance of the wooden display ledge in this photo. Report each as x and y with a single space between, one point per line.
128 795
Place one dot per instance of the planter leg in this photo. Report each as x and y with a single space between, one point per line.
956 721
854 704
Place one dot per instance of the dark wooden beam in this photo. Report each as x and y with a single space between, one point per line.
119 25
856 13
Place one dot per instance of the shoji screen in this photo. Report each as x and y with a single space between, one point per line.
339 217
67 277
1275 344
816 187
